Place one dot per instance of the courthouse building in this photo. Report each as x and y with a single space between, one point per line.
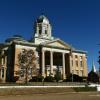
52 53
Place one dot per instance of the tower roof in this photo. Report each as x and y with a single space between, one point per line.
42 18
15 37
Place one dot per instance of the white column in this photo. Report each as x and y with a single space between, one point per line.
64 76
43 63
74 64
51 63
5 69
37 29
1 61
79 64
70 59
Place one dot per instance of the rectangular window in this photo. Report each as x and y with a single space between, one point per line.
76 63
81 65
40 31
76 56
2 73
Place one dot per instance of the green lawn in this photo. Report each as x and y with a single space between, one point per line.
24 91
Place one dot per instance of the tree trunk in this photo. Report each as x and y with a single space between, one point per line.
26 77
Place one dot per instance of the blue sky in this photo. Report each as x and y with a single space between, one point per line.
77 22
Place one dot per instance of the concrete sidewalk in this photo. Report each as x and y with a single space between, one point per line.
40 86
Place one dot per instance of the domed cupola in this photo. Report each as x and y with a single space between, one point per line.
15 38
43 19
42 28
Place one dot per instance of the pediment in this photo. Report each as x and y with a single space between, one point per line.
58 43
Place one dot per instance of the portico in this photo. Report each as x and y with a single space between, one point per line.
54 59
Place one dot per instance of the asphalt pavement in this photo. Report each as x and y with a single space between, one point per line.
55 96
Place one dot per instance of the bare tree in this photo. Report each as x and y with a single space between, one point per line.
27 64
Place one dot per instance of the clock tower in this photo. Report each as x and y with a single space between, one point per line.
43 30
